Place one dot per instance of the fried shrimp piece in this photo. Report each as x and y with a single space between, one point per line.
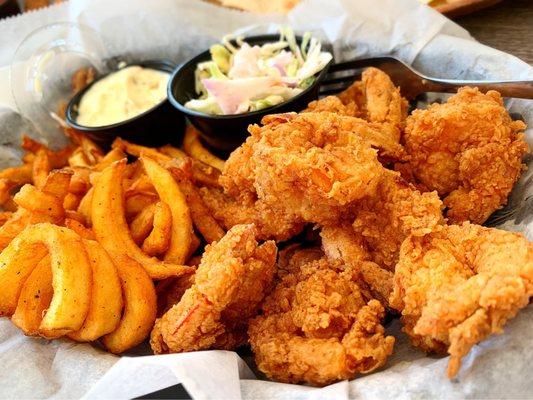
469 150
238 176
317 327
313 159
271 223
231 281
292 257
311 165
378 100
395 212
343 245
335 105
379 135
384 102
459 284
355 94
170 291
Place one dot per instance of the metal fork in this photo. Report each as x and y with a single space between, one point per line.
411 82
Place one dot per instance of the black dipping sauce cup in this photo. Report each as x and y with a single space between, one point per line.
227 132
161 124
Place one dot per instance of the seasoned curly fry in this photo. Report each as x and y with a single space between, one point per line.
111 230
35 297
170 194
136 150
91 151
194 147
79 228
105 309
201 216
32 199
20 175
86 205
137 202
5 216
173 152
70 268
58 159
112 156
71 201
6 189
41 167
142 224
158 241
140 307
142 184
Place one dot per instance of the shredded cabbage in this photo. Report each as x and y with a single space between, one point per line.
241 78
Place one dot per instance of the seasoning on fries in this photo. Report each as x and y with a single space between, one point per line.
129 234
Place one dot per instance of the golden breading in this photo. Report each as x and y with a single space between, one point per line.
271 223
469 150
231 281
459 284
395 212
341 244
318 328
310 165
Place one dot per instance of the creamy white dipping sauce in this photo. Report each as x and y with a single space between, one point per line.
122 95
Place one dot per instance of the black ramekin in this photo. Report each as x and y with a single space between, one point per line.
227 132
157 126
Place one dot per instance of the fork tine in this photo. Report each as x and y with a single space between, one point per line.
329 92
334 84
354 64
332 90
340 79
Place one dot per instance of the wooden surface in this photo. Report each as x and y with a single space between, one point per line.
506 26
456 8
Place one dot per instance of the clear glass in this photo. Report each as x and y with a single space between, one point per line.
42 70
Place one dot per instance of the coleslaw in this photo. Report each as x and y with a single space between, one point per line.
242 78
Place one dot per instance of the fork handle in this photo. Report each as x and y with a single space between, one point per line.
519 89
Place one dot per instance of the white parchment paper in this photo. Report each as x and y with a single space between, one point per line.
178 29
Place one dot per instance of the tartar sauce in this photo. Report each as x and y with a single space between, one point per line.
122 95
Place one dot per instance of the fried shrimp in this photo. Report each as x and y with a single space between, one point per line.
459 284
271 223
384 102
335 105
311 165
377 100
395 212
317 327
343 245
469 150
231 281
